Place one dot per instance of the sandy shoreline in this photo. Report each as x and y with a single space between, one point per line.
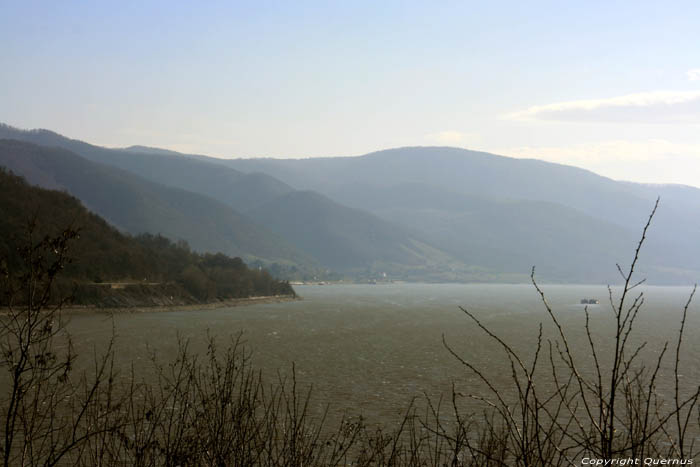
233 302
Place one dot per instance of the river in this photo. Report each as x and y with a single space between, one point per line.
369 349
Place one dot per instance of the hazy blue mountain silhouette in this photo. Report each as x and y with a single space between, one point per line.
136 205
436 213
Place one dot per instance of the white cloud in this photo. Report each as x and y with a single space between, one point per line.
652 160
606 151
452 138
694 74
645 107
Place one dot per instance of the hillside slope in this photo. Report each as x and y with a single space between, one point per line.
239 190
149 270
258 193
345 239
562 210
136 205
436 213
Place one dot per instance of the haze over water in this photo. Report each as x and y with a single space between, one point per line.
371 348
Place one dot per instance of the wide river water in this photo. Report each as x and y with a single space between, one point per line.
369 349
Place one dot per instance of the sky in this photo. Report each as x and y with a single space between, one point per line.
613 87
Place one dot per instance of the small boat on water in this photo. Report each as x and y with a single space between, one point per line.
590 301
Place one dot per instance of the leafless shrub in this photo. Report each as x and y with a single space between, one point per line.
215 409
613 411
47 411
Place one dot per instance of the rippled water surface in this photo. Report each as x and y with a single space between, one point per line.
371 348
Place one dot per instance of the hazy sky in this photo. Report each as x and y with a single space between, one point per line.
609 86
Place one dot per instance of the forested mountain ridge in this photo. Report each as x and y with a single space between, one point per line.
502 214
136 205
455 197
437 213
239 190
255 193
112 269
347 239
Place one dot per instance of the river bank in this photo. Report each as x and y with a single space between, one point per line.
232 302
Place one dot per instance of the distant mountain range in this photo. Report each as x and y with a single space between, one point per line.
425 213
137 205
